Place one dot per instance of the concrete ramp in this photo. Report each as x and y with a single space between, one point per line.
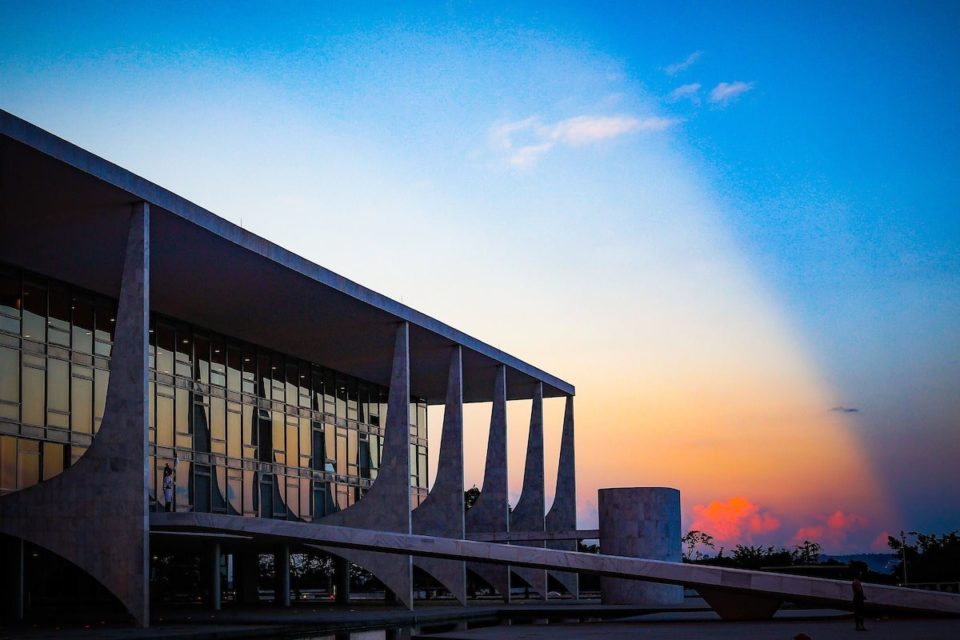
747 585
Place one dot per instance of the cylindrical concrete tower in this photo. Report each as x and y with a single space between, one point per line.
640 522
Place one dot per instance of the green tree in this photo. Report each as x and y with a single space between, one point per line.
469 497
696 542
930 557
806 553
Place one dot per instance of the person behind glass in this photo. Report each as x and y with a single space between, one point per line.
858 599
168 487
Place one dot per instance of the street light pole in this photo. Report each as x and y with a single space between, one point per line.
903 550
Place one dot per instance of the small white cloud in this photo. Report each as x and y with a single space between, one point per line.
525 141
677 67
587 129
686 92
727 91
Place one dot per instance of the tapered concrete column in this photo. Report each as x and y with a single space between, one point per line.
441 514
563 514
281 570
528 515
491 512
386 505
213 556
95 513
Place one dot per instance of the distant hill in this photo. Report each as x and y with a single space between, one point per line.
879 562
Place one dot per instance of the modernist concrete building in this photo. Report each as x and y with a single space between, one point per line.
138 330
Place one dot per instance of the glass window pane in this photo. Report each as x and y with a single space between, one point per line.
218 364
234 368
249 445
10 300
218 419
165 347
8 464
293 382
33 395
329 388
52 459
58 322
330 444
249 371
9 375
164 421
34 312
105 322
183 353
58 385
182 419
201 365
341 397
422 420
28 463
101 380
293 449
305 440
342 455
233 433
83 326
201 427
352 448
278 438
81 405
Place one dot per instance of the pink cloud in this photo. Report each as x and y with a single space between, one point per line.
734 521
879 543
832 532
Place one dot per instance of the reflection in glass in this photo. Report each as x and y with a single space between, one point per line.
81 404
201 428
250 493
9 375
58 385
52 459
34 312
218 425
165 346
294 428
218 364
233 430
33 394
28 463
82 326
8 464
101 380
58 322
234 368
164 418
9 297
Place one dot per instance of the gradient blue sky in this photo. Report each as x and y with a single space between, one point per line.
719 222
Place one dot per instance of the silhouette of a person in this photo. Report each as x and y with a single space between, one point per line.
168 487
858 599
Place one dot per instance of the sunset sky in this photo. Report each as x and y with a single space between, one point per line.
735 230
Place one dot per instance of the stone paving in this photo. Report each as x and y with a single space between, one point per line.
777 629
318 623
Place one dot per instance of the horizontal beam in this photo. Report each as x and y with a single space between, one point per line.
536 536
836 593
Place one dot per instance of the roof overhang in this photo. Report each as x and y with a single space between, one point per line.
64 213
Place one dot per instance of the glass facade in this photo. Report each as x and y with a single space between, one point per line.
249 431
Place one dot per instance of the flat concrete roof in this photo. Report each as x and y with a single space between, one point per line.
64 213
